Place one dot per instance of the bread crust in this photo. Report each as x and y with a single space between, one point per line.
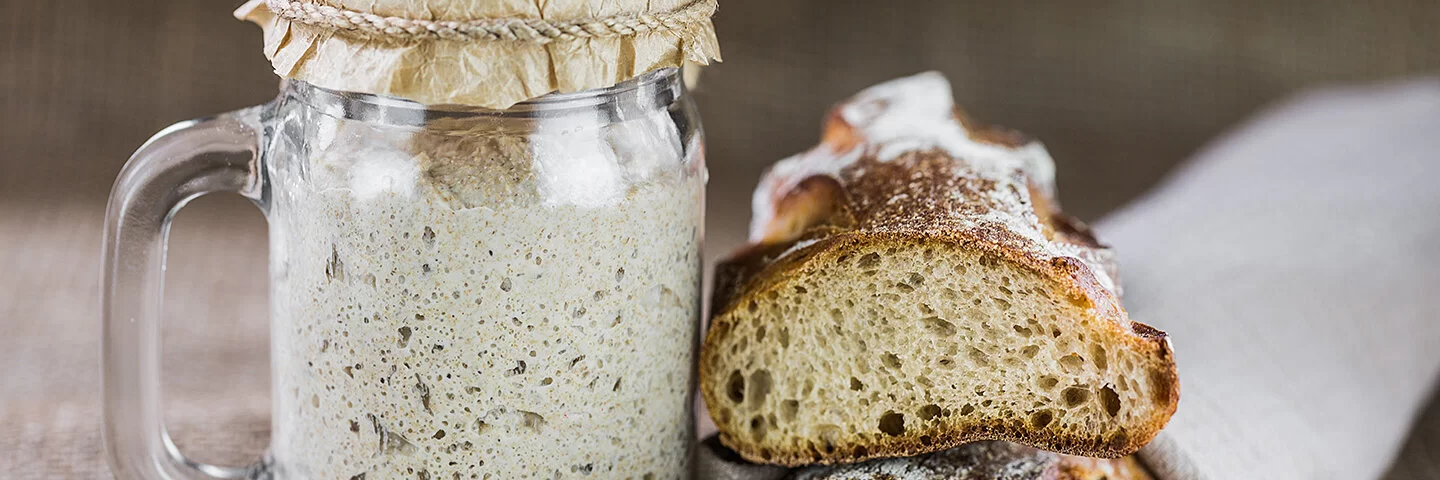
817 213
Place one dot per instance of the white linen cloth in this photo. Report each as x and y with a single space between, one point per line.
1296 266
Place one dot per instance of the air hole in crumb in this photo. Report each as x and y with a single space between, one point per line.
784 337
829 436
404 336
1074 396
892 423
1023 331
760 384
938 326
1030 351
929 412
1041 418
856 385
531 420
505 284
967 409
788 409
801 290
1072 362
757 428
979 357
1047 382
890 360
1110 400
868 261
1097 355
759 334
914 279
722 415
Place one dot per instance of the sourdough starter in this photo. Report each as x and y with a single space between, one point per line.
481 312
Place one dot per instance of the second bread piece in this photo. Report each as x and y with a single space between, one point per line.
983 461
912 286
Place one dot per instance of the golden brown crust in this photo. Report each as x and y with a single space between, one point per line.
939 200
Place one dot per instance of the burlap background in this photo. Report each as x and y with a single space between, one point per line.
1120 91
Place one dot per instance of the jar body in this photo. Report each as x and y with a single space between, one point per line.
467 294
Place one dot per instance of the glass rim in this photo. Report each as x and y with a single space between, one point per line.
657 87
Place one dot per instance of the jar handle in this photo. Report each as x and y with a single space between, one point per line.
182 162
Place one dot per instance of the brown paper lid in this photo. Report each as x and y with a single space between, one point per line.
488 53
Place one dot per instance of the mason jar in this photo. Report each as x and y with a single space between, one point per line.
455 292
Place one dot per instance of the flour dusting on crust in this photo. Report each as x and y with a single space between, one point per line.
989 174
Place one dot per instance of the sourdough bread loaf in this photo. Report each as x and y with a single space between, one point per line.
912 286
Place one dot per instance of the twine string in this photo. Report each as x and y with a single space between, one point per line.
532 30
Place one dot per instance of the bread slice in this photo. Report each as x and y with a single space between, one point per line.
983 461
912 287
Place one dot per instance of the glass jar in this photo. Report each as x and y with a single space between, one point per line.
456 292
